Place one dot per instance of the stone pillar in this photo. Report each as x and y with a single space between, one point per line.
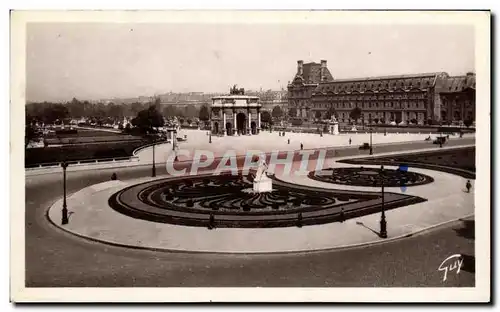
234 122
258 121
224 123
249 123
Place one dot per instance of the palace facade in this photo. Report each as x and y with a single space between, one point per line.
402 98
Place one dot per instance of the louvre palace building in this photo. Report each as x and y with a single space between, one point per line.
403 98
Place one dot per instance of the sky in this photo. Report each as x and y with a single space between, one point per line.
92 61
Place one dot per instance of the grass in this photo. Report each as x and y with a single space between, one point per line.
35 156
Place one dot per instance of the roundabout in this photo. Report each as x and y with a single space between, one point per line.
218 213
229 200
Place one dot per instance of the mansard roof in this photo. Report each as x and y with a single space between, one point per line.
311 73
380 84
457 83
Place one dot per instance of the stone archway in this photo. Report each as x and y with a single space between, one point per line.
241 119
229 128
253 126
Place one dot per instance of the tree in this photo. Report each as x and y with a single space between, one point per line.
318 114
277 112
189 121
30 132
54 112
355 114
204 113
170 111
331 112
148 119
136 107
265 116
468 122
375 120
292 112
181 120
191 111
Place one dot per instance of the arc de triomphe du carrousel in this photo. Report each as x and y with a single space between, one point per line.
235 113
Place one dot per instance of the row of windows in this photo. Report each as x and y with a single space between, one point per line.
419 105
378 86
398 95
388 115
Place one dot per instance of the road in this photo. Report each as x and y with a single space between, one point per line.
58 259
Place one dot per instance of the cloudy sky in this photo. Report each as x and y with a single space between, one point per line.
96 61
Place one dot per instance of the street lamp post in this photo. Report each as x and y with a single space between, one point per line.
153 173
383 222
64 220
371 145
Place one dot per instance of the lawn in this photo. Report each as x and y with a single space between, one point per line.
36 156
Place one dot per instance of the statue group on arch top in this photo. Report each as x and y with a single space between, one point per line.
235 91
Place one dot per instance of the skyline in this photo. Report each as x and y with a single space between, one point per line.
105 60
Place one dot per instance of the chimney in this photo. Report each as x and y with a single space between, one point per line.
300 67
322 70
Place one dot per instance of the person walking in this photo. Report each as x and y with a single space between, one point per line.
342 215
211 222
468 185
350 141
288 141
301 146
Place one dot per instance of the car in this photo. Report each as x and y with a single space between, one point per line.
439 140
365 146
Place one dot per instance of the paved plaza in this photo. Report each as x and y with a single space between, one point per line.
92 218
267 142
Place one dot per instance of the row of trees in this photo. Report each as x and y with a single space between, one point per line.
101 113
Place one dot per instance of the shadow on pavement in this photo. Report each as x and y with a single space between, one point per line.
469 264
467 230
366 227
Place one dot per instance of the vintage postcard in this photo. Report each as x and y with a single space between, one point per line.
250 156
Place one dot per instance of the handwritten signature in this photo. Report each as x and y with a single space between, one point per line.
453 262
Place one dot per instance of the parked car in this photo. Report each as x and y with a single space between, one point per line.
365 146
440 140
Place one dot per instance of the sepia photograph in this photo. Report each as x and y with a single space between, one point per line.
195 156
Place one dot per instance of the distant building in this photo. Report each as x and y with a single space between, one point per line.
400 98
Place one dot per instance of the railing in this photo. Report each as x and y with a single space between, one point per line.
83 162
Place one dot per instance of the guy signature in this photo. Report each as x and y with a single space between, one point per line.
453 262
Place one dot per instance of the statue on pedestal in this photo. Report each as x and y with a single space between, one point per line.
262 183
333 125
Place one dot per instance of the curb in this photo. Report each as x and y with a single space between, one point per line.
331 249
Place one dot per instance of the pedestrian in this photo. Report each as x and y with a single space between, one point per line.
211 222
299 220
288 141
301 146
468 185
350 141
342 215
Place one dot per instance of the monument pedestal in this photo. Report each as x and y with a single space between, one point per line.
264 184
334 128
